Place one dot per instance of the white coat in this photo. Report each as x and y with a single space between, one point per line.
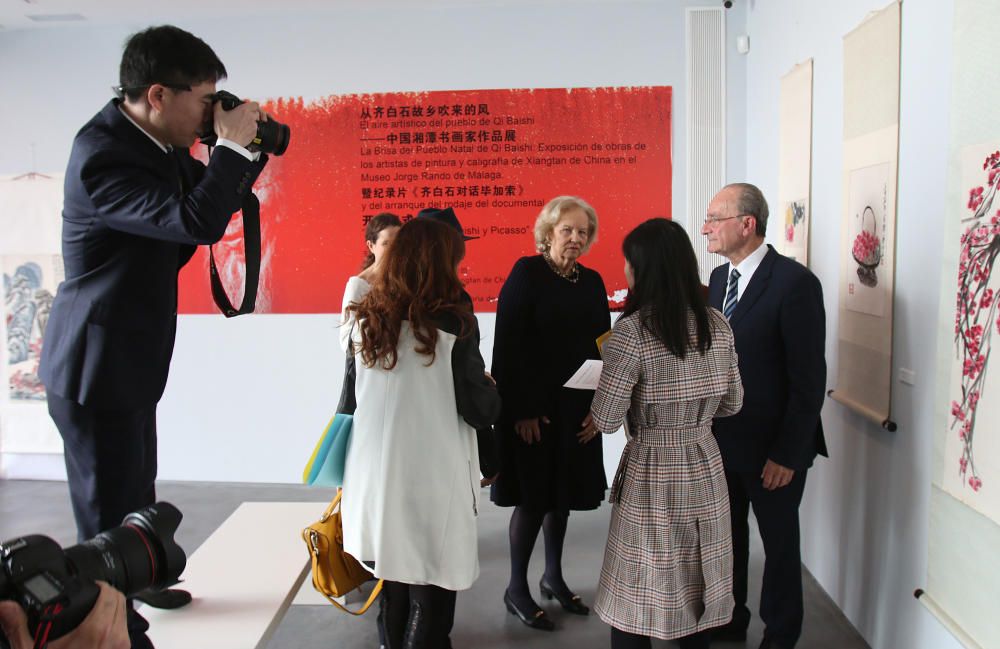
411 481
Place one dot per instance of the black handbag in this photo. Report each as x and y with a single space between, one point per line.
485 437
348 401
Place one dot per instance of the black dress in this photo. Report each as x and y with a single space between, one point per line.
546 328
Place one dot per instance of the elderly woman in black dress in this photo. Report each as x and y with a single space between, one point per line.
550 313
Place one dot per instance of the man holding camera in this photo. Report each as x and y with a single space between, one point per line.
103 628
136 206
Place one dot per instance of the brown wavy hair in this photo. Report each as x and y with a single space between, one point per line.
418 282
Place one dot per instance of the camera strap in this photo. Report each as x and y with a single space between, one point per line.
251 252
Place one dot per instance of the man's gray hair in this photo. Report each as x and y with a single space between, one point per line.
751 201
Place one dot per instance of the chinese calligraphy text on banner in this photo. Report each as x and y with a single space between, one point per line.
495 156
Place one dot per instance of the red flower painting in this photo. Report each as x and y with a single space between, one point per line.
867 249
976 312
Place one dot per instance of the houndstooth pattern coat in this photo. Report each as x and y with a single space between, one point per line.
667 569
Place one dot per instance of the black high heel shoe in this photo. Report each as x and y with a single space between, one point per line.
537 620
570 602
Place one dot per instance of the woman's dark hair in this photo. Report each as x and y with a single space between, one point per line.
666 286
167 55
418 281
378 223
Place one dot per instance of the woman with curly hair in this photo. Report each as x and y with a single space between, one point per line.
411 483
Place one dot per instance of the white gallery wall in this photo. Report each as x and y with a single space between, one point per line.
247 397
864 516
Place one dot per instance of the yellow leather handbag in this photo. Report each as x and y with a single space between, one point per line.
334 572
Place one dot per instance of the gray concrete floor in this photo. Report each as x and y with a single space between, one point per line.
481 621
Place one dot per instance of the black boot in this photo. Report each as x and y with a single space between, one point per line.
380 625
416 628
168 599
394 604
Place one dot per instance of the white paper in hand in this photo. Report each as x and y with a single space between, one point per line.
586 377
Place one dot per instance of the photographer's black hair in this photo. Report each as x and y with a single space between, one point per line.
666 286
167 55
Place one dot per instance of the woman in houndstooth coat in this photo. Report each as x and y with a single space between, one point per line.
669 368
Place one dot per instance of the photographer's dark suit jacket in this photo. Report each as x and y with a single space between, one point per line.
780 330
132 216
127 230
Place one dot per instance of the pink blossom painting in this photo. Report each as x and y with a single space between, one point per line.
972 451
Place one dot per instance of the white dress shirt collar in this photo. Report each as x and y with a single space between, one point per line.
162 146
747 268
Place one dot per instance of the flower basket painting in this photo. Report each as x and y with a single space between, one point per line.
868 202
972 450
867 249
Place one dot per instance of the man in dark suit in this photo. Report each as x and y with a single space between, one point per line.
136 206
775 307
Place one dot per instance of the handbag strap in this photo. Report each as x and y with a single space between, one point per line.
332 506
371 599
348 402
315 559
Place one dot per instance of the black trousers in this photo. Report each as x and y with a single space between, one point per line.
777 514
111 469
625 640
416 617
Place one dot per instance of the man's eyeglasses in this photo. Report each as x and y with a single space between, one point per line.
121 90
715 220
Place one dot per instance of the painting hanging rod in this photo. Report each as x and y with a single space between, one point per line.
863 410
946 620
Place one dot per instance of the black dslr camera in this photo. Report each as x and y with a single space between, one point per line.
56 587
272 136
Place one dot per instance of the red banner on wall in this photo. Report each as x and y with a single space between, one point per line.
495 156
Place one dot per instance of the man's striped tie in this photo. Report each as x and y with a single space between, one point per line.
730 304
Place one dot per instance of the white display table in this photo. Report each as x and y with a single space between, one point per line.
243 579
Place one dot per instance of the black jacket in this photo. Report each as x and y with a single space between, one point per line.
780 329
128 228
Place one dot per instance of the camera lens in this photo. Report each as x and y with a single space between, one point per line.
139 554
273 136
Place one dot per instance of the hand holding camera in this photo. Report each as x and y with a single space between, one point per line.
103 628
56 588
239 124
234 119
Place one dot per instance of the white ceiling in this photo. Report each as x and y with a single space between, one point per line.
16 14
